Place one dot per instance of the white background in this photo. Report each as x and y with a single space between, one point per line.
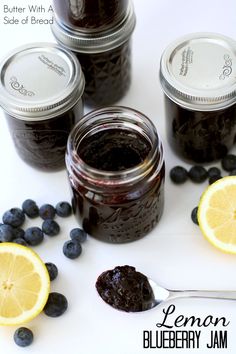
175 254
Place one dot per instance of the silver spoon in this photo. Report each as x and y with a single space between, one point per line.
161 294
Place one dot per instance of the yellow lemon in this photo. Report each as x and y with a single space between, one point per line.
24 284
217 214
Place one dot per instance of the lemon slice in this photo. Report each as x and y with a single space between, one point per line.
24 284
217 214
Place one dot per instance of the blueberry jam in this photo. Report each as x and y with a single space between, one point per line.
125 289
114 150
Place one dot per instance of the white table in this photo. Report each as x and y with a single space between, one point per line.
175 254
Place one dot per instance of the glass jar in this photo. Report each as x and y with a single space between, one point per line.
104 55
116 171
90 14
198 77
41 94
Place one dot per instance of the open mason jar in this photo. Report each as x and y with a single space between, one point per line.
198 77
116 171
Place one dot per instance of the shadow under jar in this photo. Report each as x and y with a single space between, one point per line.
198 78
116 171
41 94
104 55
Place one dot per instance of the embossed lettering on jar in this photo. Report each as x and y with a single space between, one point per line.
41 88
103 52
198 78
116 172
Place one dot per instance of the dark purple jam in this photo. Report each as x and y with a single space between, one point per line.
107 75
109 211
125 289
90 14
42 143
200 136
114 150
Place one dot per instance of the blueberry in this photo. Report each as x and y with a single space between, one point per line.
52 270
63 209
178 174
229 162
20 241
213 179
47 211
6 233
30 208
78 235
14 217
194 215
233 172
18 232
72 249
50 227
214 171
198 174
23 337
33 236
56 305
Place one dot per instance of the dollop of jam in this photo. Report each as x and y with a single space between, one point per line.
125 289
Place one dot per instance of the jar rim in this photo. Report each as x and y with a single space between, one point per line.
115 115
87 42
22 93
197 71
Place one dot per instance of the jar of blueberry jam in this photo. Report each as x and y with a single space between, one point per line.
104 55
198 77
116 171
90 14
40 92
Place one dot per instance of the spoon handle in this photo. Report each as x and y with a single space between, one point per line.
221 295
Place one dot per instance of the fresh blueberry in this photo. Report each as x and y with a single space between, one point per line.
14 217
178 174
20 241
6 233
47 211
56 305
63 209
213 179
23 337
30 208
18 232
52 270
233 172
72 249
50 227
214 171
198 174
229 162
33 236
78 235
194 215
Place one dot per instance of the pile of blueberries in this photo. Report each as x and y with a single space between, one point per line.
11 231
199 174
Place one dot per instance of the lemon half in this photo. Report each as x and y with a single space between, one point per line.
24 284
217 214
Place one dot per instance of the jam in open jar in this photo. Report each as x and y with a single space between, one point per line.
116 171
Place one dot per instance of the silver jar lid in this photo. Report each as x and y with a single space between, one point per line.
198 71
40 81
95 42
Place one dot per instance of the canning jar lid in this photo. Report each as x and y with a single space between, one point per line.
198 71
85 41
40 81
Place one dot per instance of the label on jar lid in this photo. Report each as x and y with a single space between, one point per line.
199 71
40 80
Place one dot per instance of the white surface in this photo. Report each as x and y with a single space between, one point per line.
174 254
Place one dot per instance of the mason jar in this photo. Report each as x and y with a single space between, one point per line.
198 77
116 172
104 55
41 95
